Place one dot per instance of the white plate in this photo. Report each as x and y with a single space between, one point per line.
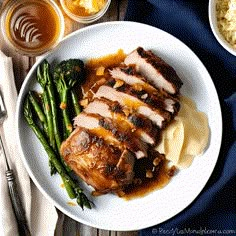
111 212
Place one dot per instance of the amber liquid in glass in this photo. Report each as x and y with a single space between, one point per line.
33 26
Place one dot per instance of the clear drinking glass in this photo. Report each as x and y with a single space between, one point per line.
32 27
84 11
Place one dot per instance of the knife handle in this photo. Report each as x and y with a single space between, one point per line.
17 205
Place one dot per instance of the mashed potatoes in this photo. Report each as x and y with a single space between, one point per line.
187 136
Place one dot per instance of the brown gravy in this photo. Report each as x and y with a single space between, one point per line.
92 66
33 25
160 179
162 174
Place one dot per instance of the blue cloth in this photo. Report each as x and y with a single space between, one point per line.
215 207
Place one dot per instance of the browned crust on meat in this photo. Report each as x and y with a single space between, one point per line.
131 70
151 100
160 65
114 106
138 122
156 97
124 135
101 159
142 122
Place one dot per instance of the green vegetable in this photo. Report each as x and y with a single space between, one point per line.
66 75
40 113
48 112
43 119
75 102
51 93
46 104
74 190
52 101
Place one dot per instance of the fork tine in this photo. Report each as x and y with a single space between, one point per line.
4 153
3 111
3 114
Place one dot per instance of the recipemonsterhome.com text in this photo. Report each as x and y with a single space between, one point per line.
189 231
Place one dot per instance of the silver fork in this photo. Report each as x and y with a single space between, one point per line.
15 198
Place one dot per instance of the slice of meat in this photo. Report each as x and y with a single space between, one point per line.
155 70
91 123
129 75
151 134
117 134
105 167
140 126
90 93
155 102
133 104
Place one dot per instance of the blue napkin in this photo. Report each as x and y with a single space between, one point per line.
214 210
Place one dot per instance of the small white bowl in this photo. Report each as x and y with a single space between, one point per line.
213 23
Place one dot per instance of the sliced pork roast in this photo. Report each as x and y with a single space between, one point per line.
122 121
132 102
155 70
116 132
140 126
105 167
129 75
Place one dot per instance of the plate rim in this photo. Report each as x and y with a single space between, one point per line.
19 110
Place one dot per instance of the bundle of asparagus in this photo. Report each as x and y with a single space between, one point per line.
47 115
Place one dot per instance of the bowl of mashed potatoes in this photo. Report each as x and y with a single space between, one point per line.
222 17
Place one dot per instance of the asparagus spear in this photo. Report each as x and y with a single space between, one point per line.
66 75
52 98
47 108
48 112
75 102
82 199
50 90
37 108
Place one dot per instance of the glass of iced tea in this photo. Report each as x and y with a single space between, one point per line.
32 27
